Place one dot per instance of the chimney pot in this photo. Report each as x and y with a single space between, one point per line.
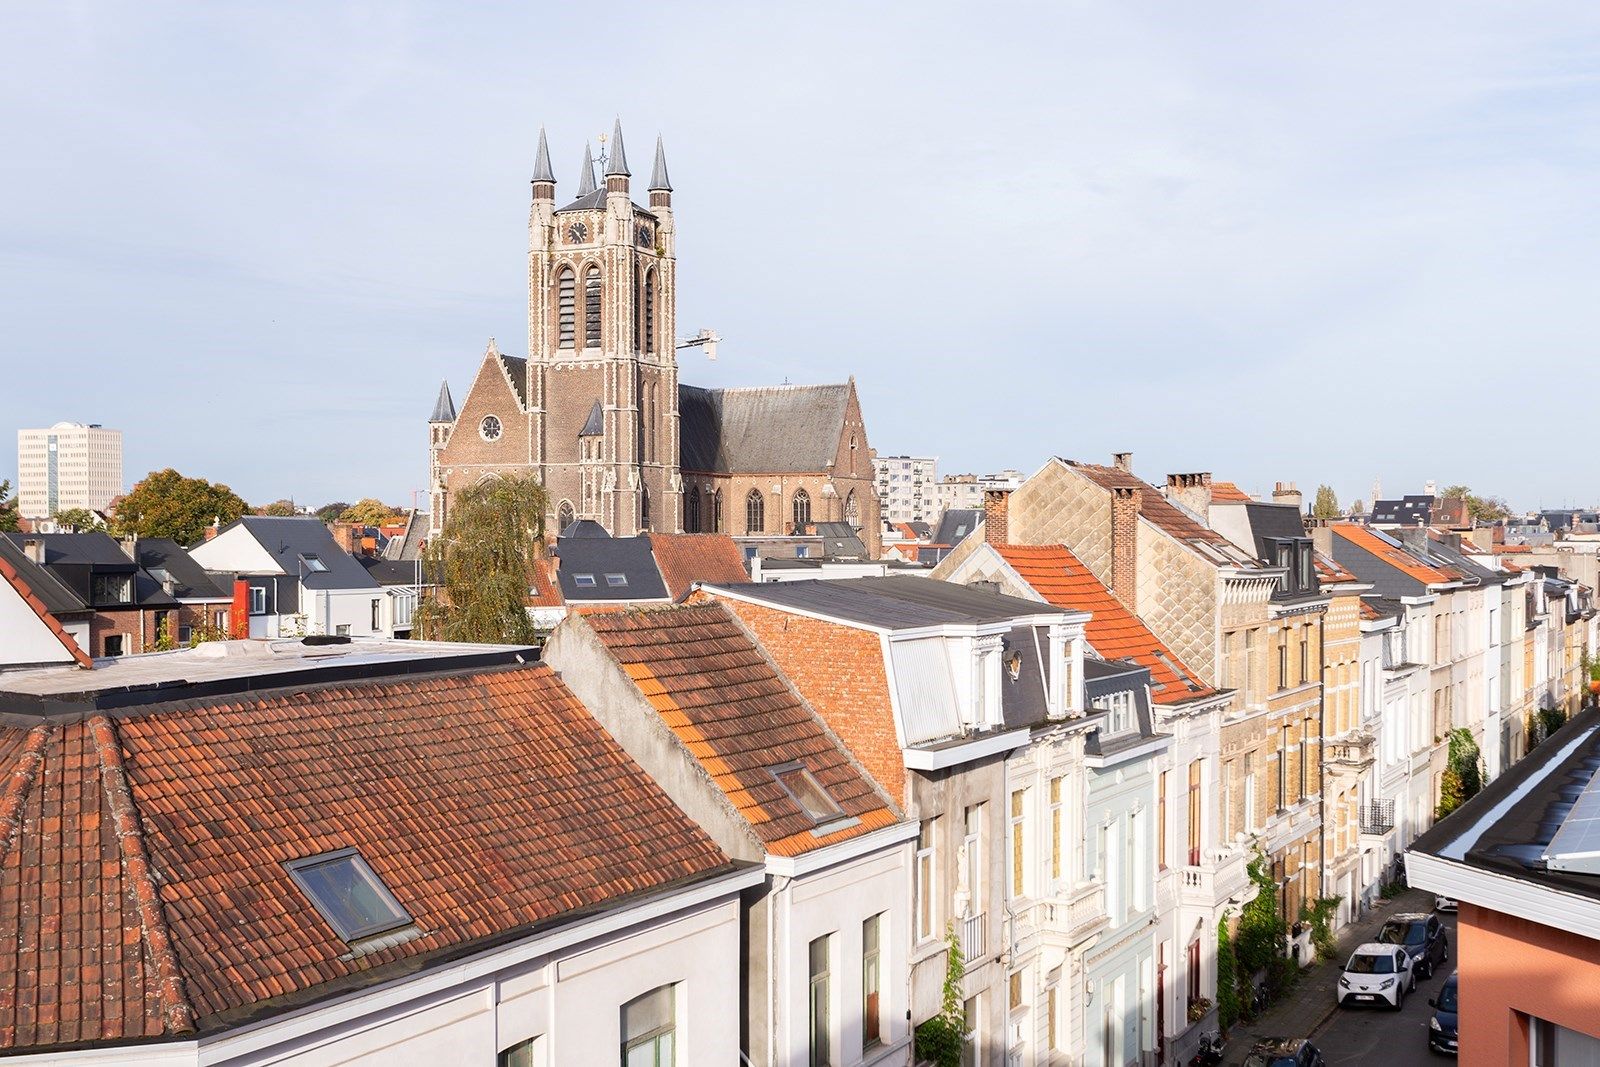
1123 461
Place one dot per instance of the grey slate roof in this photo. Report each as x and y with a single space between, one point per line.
191 580
765 430
581 528
593 200
956 525
288 539
658 175
595 424
542 171
407 546
444 408
617 162
516 368
894 603
586 176
839 541
600 557
73 558
1406 511
57 597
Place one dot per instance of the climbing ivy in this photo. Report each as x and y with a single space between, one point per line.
1227 976
940 1038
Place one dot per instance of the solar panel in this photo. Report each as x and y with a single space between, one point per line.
1576 846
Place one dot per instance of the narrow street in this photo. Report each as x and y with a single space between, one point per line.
1397 1039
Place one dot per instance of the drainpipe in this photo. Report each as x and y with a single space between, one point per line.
1322 758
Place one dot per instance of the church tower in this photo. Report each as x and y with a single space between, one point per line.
602 372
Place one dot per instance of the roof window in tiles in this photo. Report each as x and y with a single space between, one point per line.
348 894
616 579
807 792
585 581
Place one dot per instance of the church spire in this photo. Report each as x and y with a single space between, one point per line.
617 162
542 171
444 408
586 179
658 175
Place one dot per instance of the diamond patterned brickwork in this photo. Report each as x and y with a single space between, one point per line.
1177 598
1058 506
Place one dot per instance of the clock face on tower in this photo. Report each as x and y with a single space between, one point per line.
642 236
577 232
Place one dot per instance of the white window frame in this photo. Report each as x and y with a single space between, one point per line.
926 874
1017 822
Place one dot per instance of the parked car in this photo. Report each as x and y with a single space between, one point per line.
1423 938
1284 1052
1444 904
1442 1033
1376 974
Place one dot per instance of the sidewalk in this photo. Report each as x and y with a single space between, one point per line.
1308 1005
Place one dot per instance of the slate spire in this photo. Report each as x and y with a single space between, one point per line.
658 174
542 171
444 408
617 162
586 179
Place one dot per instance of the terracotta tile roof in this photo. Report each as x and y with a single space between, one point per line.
1229 493
736 714
544 592
1329 571
1398 558
142 882
9 574
907 532
1113 631
1152 505
684 559
1370 612
1502 549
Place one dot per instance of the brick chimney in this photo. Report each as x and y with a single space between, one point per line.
347 536
1193 491
214 529
1125 503
997 516
1286 493
1123 461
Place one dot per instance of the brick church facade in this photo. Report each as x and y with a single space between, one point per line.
596 411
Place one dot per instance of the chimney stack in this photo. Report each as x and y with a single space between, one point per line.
1193 491
130 547
997 516
1123 461
1125 504
1286 493
33 548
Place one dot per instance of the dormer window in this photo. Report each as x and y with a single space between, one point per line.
1119 712
348 894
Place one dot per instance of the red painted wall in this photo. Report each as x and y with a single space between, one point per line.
1512 967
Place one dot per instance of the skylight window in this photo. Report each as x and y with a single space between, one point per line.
313 563
584 581
348 894
616 579
807 792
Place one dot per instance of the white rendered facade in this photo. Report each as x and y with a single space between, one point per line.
69 465
906 487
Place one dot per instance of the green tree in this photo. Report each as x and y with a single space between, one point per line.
167 504
1326 505
77 520
164 639
331 512
940 1039
484 565
281 508
368 511
1479 508
8 509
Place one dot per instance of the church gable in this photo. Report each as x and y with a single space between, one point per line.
492 427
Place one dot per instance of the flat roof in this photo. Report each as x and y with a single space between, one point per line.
220 667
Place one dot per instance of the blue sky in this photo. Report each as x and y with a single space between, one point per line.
1318 243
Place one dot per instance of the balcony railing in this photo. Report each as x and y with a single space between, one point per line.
1086 911
1377 817
971 937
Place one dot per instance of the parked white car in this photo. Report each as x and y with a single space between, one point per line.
1444 904
1376 974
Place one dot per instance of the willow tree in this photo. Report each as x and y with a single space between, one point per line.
482 565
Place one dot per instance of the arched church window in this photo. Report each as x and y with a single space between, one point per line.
852 510
565 517
691 510
755 512
644 508
566 305
716 511
650 311
801 507
591 308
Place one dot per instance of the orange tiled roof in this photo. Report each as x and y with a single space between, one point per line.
1329 571
1502 549
1368 611
737 715
1152 505
143 891
907 532
1114 631
684 559
1398 558
544 592
1227 492
16 581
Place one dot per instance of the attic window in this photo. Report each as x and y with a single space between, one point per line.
313 564
583 581
616 579
807 792
347 893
